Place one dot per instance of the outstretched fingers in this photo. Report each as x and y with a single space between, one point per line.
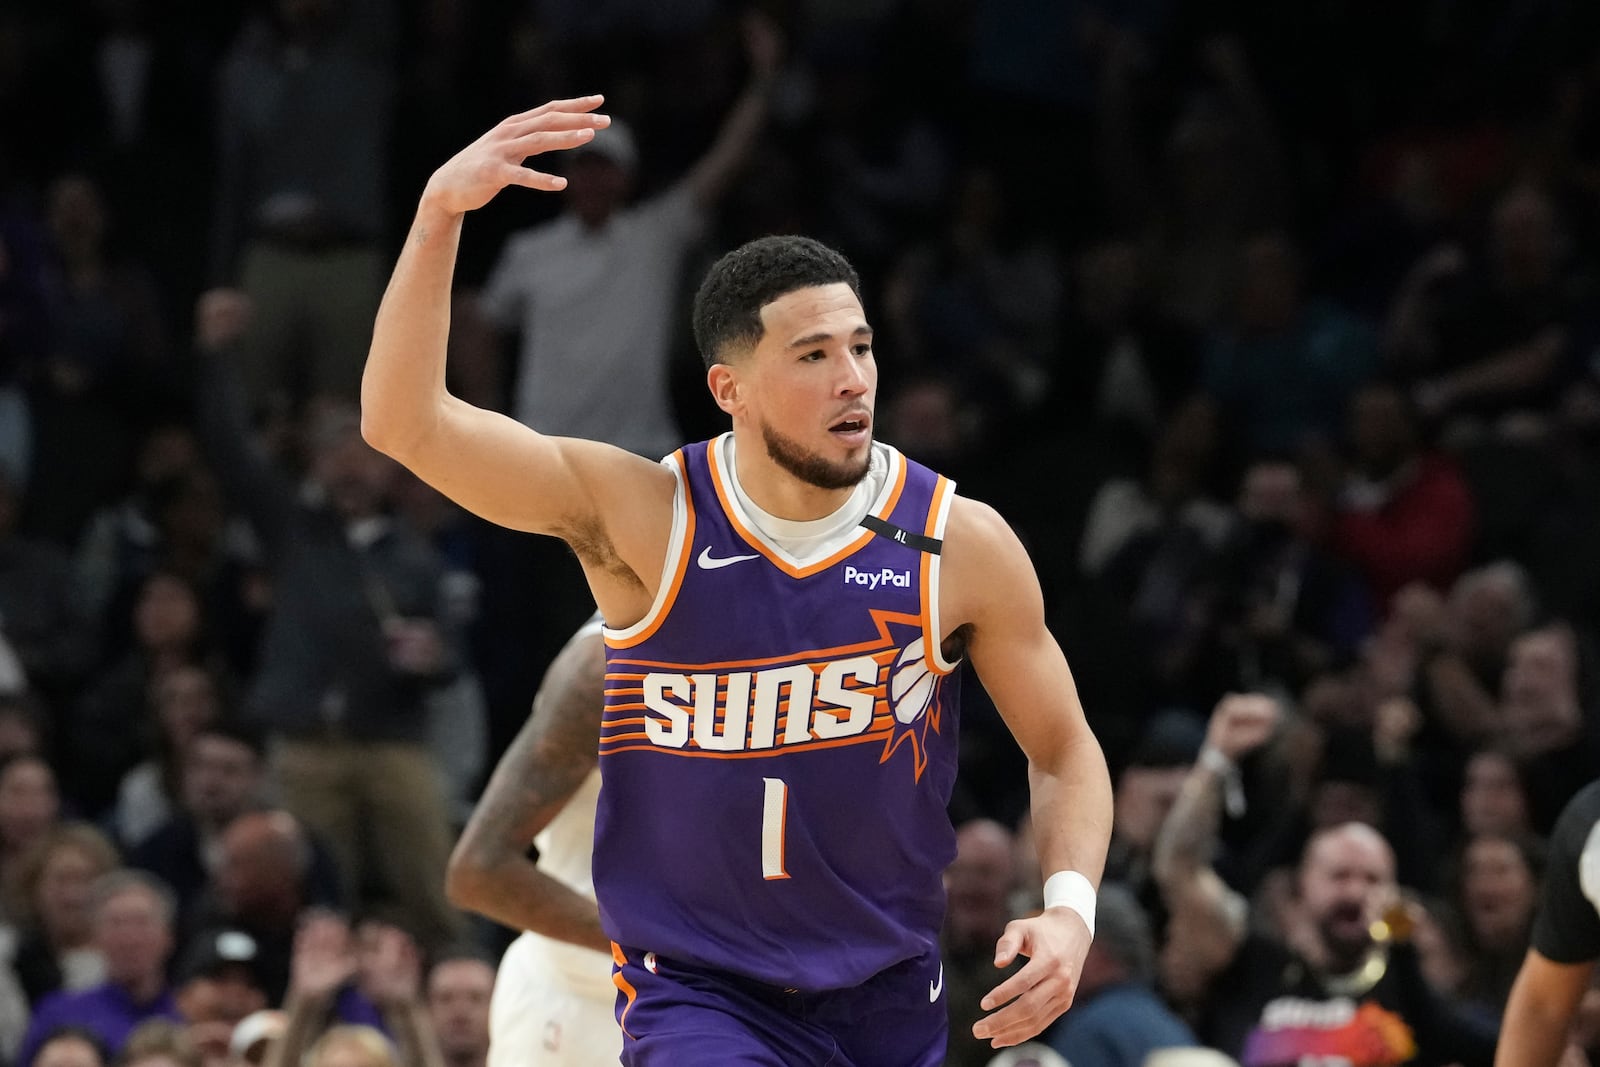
575 104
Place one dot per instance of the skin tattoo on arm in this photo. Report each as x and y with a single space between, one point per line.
491 872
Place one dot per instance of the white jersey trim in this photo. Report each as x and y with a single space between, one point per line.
945 494
678 545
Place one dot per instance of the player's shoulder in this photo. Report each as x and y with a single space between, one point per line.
978 524
986 571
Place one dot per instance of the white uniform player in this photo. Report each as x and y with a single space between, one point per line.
554 1002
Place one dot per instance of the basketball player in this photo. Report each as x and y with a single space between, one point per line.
786 608
1558 968
552 1002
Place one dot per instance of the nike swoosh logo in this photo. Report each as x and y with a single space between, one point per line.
708 562
935 988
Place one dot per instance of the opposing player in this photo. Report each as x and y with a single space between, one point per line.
787 606
552 1002
1557 971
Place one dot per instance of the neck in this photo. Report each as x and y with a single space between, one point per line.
466 1058
779 493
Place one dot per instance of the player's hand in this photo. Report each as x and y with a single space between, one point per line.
472 177
1055 942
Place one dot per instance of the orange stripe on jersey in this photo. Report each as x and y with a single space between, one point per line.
623 985
932 640
754 539
881 619
683 550
876 733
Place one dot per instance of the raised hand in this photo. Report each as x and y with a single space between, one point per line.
1242 723
324 958
391 964
472 177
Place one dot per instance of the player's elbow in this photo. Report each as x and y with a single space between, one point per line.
383 432
466 877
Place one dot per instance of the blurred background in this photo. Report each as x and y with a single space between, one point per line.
1272 328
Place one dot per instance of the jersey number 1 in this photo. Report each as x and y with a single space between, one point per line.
774 816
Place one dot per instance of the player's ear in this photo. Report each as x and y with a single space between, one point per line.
723 381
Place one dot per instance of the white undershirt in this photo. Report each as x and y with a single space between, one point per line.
806 540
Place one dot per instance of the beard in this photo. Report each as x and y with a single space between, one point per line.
1346 935
810 467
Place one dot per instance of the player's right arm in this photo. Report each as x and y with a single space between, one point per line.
490 872
490 464
1539 1011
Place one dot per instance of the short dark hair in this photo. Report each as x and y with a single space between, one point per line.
727 307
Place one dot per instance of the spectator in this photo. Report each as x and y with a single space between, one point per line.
194 535
1326 983
263 883
1289 609
218 984
112 726
603 315
1497 891
357 640
30 805
185 700
305 118
323 1003
1495 797
52 910
224 775
1463 652
1485 333
1145 790
121 541
71 1045
160 1043
458 990
1543 719
1404 513
133 914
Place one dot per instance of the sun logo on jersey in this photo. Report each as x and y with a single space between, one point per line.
912 684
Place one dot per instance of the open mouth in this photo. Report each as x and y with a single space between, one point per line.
852 424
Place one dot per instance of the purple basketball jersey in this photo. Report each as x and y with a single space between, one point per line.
779 744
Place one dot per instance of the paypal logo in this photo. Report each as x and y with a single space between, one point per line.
873 579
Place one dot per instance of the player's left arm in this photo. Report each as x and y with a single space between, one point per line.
993 597
490 871
1539 1012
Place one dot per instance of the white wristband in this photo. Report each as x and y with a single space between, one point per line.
1069 889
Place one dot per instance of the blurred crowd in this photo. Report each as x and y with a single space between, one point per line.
1272 328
